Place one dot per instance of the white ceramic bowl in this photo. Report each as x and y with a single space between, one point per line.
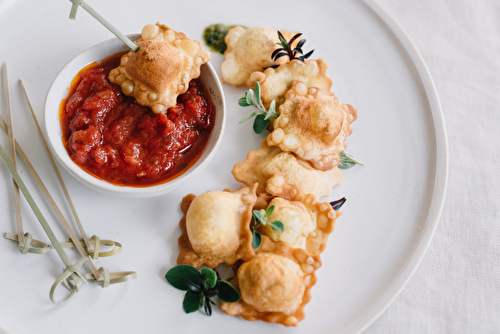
59 91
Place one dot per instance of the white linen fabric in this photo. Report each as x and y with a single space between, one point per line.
456 289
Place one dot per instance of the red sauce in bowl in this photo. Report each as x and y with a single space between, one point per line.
112 137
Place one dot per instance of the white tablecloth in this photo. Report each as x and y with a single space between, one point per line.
456 289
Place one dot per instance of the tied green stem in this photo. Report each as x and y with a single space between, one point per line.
263 117
103 21
34 207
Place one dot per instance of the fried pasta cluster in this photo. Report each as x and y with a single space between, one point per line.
275 279
295 165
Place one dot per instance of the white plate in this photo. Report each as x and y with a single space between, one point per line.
388 221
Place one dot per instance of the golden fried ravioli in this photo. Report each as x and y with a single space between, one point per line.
313 124
162 68
275 82
267 161
307 222
275 285
216 227
249 50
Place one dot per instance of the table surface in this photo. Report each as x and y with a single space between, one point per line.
456 288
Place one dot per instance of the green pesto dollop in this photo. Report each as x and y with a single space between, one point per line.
214 36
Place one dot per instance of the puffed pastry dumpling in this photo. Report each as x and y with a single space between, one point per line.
275 285
267 161
275 82
249 50
307 222
216 227
162 68
313 124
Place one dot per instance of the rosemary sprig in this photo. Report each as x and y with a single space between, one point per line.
287 50
200 287
263 117
260 218
347 161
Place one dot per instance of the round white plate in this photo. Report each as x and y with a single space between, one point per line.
393 202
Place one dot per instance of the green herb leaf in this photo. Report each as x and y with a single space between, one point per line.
178 275
210 277
257 93
347 161
260 123
260 216
227 292
277 226
248 117
208 307
270 210
336 205
192 302
243 102
250 97
257 239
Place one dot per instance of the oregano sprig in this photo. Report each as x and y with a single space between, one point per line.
260 218
263 117
347 161
200 286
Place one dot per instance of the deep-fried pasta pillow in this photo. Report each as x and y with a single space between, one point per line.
249 50
307 222
216 227
268 161
162 68
313 124
275 285
275 82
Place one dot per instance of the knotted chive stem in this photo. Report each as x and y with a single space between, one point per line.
12 150
103 21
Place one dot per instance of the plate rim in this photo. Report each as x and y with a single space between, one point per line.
440 177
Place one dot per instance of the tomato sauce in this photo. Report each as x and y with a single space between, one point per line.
112 137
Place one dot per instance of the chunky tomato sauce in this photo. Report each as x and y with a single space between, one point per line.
113 138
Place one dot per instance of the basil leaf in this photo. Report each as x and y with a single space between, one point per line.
227 292
260 123
208 307
270 210
257 239
178 275
210 277
336 205
277 226
192 302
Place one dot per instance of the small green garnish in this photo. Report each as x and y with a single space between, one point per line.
263 117
214 36
286 49
260 218
347 161
200 286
